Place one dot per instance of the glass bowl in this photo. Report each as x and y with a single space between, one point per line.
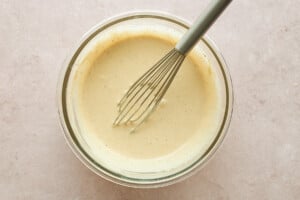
68 122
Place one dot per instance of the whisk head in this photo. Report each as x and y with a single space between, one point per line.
146 93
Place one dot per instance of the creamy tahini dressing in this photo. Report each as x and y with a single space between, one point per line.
181 128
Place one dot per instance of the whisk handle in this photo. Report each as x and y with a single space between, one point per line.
201 25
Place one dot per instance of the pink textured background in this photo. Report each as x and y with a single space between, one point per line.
260 158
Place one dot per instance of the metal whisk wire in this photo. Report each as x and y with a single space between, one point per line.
146 93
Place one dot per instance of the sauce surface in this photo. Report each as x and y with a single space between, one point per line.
183 125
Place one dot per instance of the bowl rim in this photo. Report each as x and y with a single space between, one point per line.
84 156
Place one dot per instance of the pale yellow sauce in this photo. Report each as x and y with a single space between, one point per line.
181 128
